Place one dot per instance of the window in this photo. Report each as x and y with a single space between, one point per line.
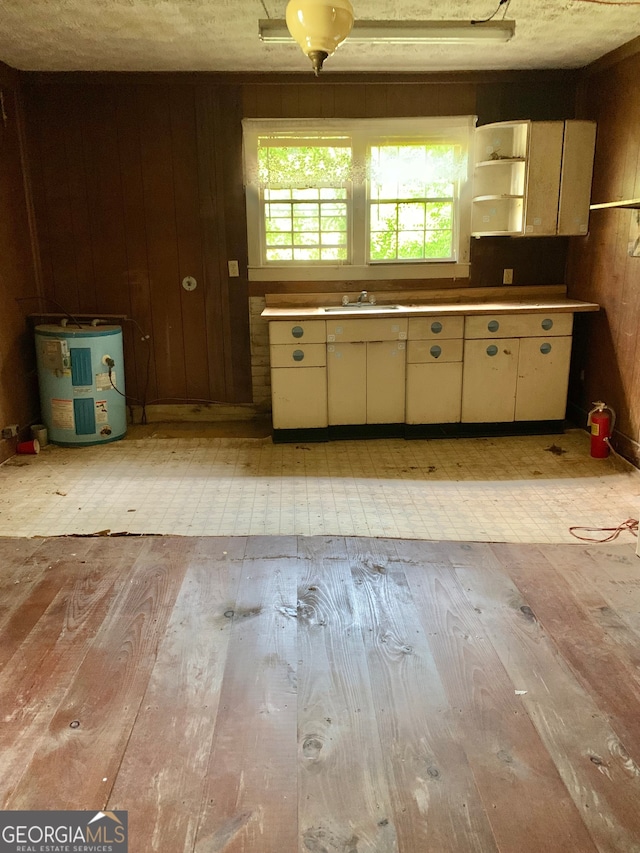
365 198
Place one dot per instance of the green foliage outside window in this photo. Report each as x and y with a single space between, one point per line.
306 201
411 202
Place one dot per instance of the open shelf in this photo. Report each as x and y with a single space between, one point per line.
500 161
496 196
630 203
497 215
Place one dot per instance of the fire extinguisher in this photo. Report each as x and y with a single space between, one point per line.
601 423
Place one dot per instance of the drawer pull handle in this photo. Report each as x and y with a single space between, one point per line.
547 324
545 349
297 331
492 350
436 351
436 328
493 325
298 355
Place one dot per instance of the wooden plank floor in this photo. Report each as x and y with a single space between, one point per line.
325 694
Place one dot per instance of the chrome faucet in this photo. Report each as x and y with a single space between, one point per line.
364 297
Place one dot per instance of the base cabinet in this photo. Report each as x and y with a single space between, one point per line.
299 397
385 382
347 383
543 378
434 393
489 380
298 356
366 382
438 370
515 379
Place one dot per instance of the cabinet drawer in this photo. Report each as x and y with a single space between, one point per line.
518 325
428 328
381 329
422 352
304 355
307 331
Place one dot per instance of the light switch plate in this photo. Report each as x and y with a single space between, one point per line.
234 269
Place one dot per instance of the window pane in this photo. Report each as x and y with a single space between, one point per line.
406 189
301 223
334 223
439 244
333 238
333 254
306 254
417 183
304 238
304 165
278 225
383 245
279 255
278 210
383 216
309 225
440 215
330 192
411 216
274 239
270 194
411 245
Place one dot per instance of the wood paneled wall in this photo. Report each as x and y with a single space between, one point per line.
138 183
136 187
607 353
18 383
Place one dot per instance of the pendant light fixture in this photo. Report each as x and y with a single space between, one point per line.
319 27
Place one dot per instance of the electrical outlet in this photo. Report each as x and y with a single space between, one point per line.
234 269
10 431
507 276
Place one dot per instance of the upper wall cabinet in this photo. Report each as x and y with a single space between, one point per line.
532 178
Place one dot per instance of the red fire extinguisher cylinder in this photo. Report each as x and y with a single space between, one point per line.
601 420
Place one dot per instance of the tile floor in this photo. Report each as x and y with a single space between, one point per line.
527 489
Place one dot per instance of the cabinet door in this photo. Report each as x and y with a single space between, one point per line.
347 383
433 393
543 179
575 183
385 382
543 377
489 380
299 397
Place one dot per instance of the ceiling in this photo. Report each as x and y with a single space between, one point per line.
222 35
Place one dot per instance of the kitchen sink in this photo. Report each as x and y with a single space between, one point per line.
362 306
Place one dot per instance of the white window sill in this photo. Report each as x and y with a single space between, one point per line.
379 272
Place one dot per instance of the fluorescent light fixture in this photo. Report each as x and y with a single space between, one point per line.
406 32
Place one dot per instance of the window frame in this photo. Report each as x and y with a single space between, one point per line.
364 133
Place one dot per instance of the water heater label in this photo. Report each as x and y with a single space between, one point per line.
55 355
62 414
103 383
101 412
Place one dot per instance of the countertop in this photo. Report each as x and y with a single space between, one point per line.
426 309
